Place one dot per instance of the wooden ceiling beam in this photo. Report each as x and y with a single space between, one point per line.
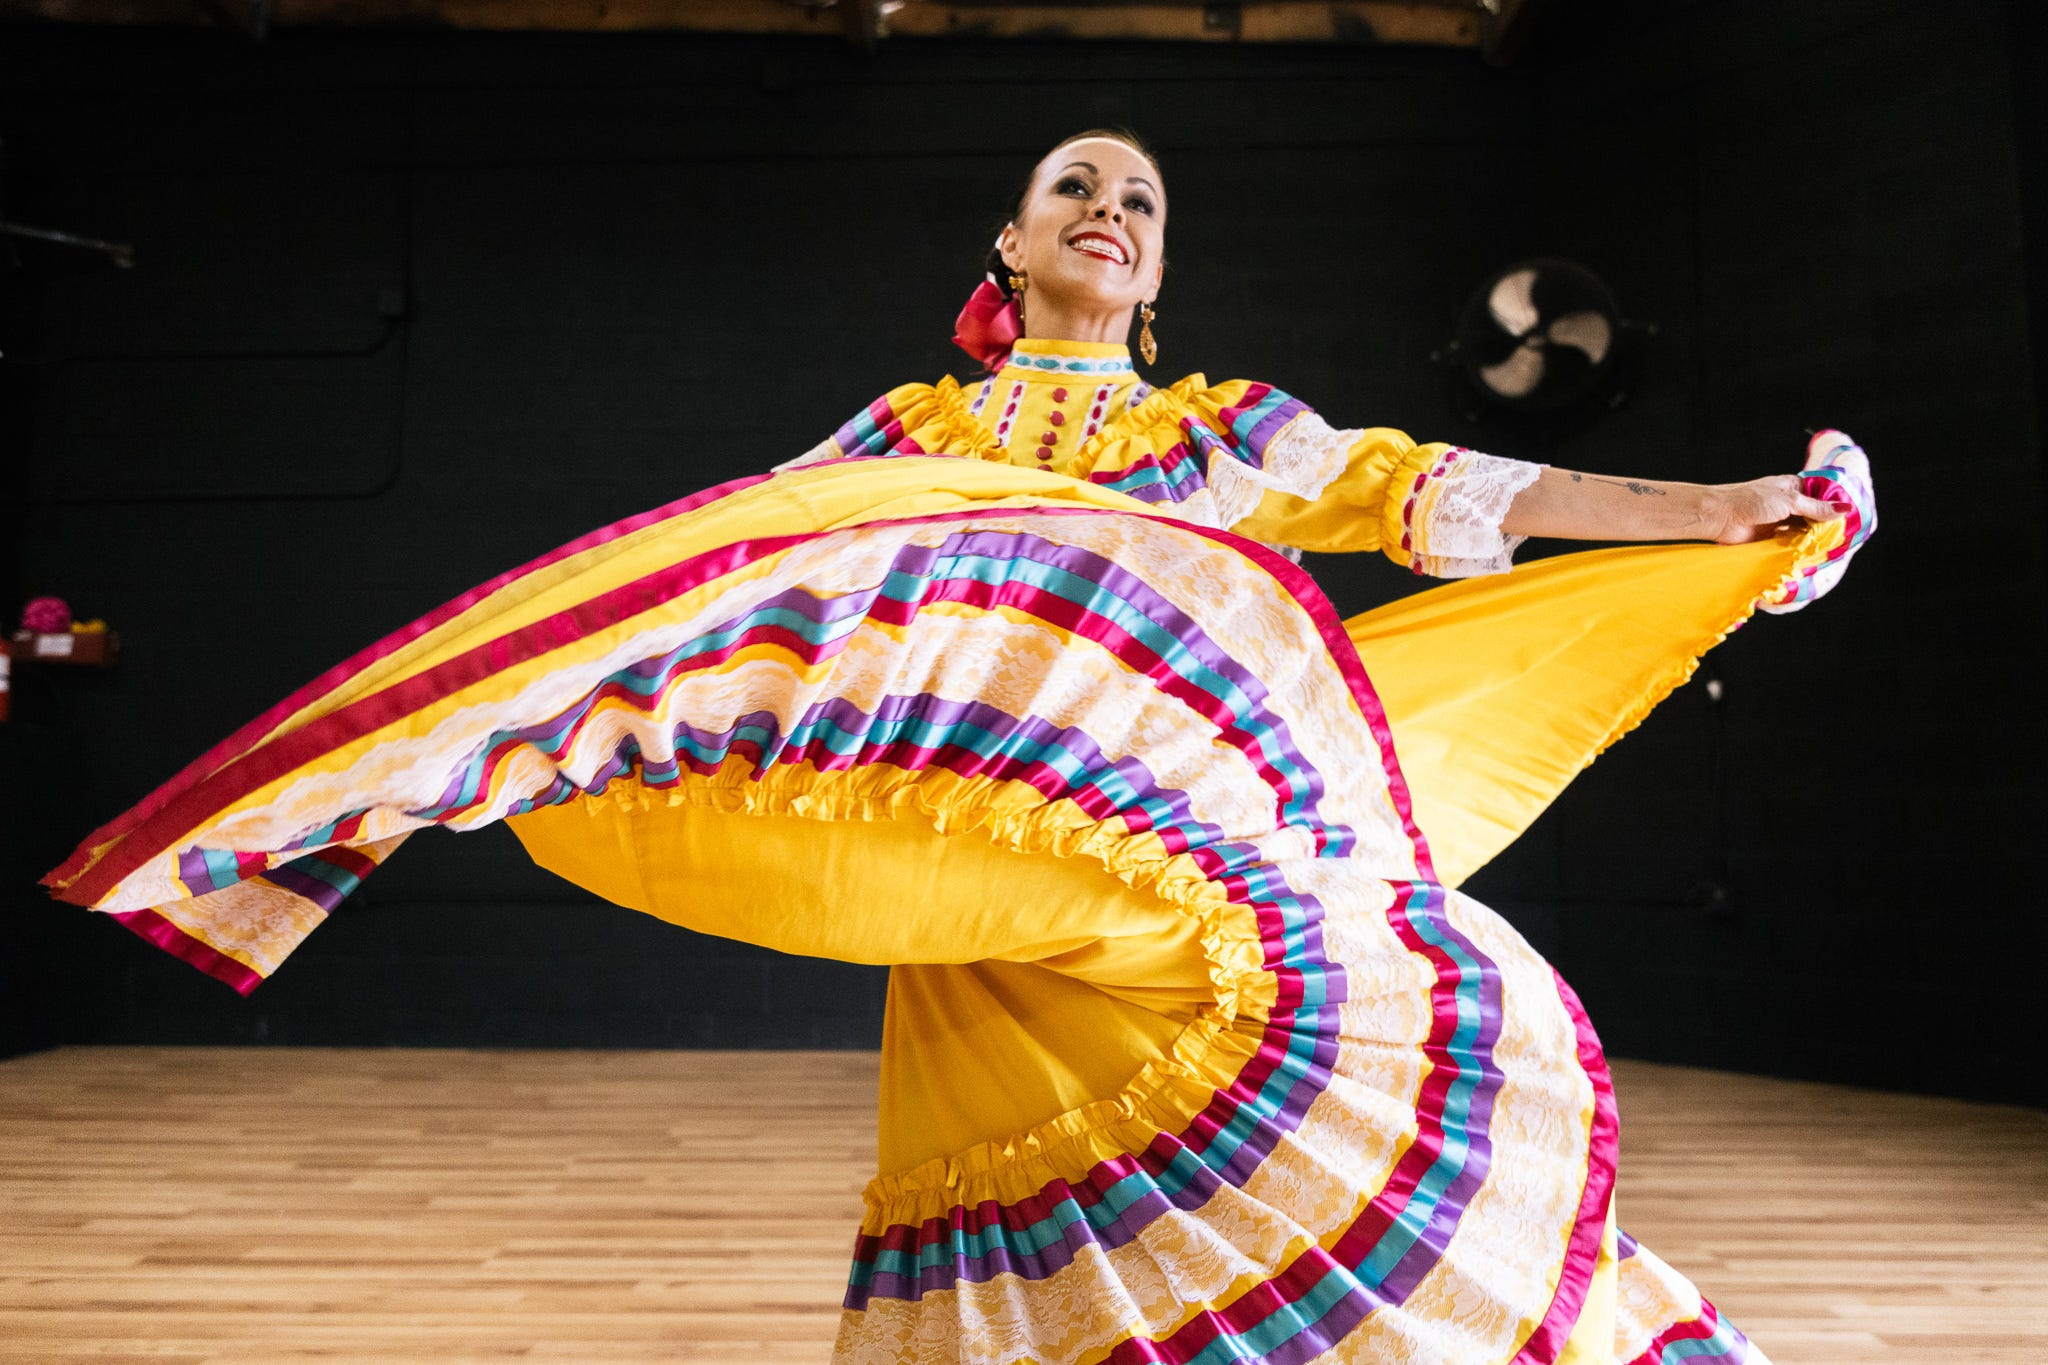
1439 23
1261 21
861 20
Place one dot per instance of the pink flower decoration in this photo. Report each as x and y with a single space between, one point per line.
46 615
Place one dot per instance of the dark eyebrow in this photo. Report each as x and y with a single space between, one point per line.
1089 166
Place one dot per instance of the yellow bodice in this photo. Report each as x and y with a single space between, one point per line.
1050 396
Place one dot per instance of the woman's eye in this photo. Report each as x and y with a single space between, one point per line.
1074 184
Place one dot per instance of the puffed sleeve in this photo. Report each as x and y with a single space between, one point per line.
910 419
1433 507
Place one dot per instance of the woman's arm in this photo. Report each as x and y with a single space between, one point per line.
1570 505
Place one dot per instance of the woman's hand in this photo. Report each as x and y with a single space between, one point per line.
1736 513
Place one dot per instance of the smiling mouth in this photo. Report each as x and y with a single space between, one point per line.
1100 246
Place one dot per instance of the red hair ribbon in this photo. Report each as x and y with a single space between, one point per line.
989 325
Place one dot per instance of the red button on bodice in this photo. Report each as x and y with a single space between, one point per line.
1058 419
1059 395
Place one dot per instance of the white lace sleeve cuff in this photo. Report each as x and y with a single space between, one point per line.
1451 520
1302 459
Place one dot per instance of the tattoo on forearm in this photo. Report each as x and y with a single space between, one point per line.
1639 489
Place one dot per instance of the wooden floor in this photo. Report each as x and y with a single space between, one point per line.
192 1205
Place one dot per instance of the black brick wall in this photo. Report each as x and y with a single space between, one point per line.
1820 204
632 266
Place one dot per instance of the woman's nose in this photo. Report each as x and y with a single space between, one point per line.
1105 208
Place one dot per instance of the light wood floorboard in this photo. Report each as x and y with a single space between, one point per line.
187 1205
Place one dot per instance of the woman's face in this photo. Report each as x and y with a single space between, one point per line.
1092 236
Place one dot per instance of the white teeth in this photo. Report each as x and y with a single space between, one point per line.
1095 246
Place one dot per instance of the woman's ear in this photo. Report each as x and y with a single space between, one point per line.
1009 246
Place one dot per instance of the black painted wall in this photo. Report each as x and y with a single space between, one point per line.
1821 202
410 308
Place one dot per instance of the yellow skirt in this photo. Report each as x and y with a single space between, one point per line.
1193 1050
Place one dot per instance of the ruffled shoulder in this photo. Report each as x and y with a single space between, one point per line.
910 419
1214 450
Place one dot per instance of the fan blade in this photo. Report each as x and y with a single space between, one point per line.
1518 375
1513 304
1588 332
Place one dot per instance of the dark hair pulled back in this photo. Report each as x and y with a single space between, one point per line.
993 262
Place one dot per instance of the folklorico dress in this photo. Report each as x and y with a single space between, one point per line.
1193 1051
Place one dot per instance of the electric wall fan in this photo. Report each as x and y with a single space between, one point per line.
1539 336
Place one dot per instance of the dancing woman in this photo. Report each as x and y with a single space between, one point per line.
1193 1051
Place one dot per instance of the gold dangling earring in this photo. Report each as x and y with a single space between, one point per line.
1147 346
1017 283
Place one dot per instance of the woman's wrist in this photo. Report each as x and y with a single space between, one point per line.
1715 508
1708 512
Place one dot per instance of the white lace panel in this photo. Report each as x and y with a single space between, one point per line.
1456 510
1303 459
